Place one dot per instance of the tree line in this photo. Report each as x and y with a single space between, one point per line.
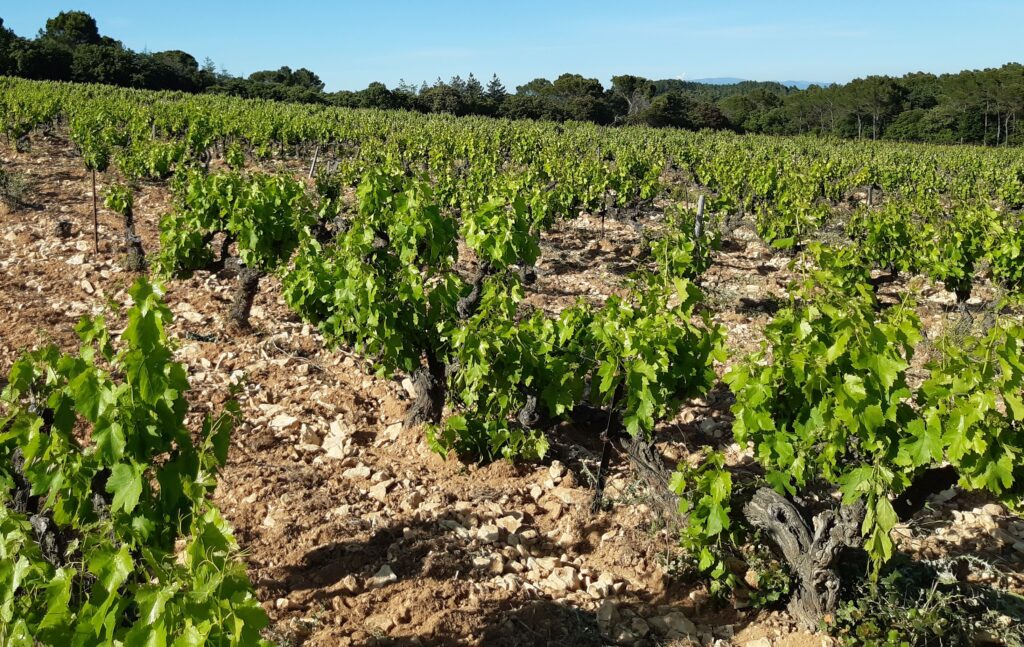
973 106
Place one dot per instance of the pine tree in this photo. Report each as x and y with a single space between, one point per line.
474 90
496 90
404 87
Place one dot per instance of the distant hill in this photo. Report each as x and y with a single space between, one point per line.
732 80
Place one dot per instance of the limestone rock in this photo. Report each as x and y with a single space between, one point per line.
489 533
381 578
380 491
556 471
284 422
357 472
509 524
607 615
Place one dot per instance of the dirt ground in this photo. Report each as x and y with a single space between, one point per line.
353 531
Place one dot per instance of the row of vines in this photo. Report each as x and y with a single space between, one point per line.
367 220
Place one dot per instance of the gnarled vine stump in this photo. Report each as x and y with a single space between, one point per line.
467 305
810 552
429 384
245 294
135 257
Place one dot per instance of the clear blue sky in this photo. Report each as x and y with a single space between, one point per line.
350 44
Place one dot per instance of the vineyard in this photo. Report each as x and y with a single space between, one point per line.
296 374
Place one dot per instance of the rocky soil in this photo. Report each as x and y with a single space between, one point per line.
354 533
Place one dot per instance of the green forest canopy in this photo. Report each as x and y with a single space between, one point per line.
974 106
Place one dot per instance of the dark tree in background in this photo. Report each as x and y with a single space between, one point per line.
300 78
7 42
104 64
71 29
173 70
636 91
496 91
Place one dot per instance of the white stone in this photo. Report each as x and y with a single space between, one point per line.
339 427
337 443
481 561
598 590
410 388
284 422
380 491
496 565
393 431
336 446
350 584
381 578
570 576
358 472
557 470
489 533
509 524
992 509
987 521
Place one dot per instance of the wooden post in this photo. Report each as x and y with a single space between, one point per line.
312 167
604 210
606 452
698 224
95 216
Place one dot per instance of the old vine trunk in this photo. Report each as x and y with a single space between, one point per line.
429 384
135 258
810 550
248 284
